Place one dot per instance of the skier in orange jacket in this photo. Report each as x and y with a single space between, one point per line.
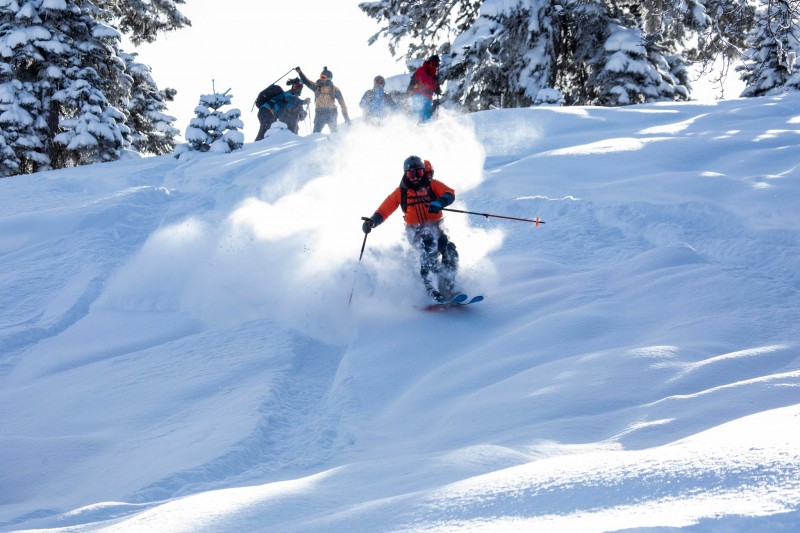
421 198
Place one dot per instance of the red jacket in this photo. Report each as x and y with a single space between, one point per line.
424 80
416 203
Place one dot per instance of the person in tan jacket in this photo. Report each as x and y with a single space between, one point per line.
326 94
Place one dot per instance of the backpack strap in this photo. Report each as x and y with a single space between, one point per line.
404 195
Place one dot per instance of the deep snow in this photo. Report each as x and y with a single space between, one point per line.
177 354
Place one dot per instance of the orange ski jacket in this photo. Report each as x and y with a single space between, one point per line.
416 203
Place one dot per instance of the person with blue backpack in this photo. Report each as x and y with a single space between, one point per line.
286 106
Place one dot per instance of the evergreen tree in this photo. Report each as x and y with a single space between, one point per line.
723 35
21 132
212 129
61 64
152 131
421 25
143 20
771 59
68 95
511 53
499 61
583 33
633 71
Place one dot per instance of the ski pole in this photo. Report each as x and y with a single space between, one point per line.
535 221
281 76
363 245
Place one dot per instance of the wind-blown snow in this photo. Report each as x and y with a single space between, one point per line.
177 353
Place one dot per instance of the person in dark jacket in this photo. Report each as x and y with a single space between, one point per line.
421 199
286 107
292 114
375 103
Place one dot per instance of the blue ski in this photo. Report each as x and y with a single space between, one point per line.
457 301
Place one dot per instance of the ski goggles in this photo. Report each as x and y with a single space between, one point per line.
415 173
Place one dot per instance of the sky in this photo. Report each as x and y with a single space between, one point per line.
242 48
249 44
177 352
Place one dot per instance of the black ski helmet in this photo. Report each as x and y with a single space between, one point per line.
413 162
414 173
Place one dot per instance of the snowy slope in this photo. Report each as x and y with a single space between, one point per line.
177 354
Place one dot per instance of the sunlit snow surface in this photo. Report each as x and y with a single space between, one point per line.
177 352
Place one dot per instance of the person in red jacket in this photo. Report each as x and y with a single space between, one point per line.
421 198
424 84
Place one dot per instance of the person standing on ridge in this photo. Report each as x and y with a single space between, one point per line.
423 85
375 103
286 107
293 113
421 198
326 94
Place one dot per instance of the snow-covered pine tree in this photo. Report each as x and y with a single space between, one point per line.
582 33
668 29
90 129
523 52
631 72
152 130
67 62
66 97
771 60
506 58
723 35
605 58
143 20
493 55
20 107
421 26
212 129
21 130
9 162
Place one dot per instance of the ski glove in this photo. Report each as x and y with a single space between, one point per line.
441 202
371 222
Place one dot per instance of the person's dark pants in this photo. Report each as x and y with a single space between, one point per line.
265 119
291 117
325 115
